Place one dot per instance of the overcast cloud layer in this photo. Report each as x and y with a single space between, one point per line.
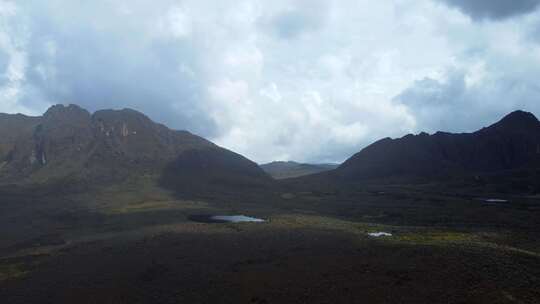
306 80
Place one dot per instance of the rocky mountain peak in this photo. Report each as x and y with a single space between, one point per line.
518 120
70 112
68 144
513 143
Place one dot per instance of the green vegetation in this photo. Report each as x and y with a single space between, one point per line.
318 240
146 206
12 271
290 169
436 237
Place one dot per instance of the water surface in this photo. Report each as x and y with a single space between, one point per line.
225 219
495 201
379 234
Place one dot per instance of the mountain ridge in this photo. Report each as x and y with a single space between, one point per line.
511 143
68 143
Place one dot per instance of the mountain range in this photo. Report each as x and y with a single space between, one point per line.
513 143
69 145
110 207
290 169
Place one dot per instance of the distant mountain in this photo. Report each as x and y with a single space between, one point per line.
68 144
290 169
513 143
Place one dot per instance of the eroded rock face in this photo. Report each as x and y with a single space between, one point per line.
63 139
16 145
69 142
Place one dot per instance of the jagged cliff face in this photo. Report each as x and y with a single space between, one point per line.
68 142
511 144
16 146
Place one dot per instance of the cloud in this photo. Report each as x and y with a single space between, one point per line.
13 61
493 73
4 64
292 22
282 80
96 58
459 104
493 9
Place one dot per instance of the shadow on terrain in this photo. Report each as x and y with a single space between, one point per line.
112 248
261 264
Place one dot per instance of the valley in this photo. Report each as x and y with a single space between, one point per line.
82 235
129 245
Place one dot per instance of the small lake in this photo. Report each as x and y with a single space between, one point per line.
495 201
224 219
379 234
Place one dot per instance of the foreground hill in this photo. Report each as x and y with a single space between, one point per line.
290 169
68 143
511 144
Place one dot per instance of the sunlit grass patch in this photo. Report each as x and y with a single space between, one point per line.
400 234
140 189
140 207
330 223
12 271
141 195
143 206
431 237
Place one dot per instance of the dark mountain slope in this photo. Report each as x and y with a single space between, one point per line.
15 134
216 169
511 144
69 144
290 169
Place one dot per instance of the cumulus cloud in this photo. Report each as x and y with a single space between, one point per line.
453 105
494 73
282 80
296 18
494 9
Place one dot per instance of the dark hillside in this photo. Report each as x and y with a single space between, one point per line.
68 146
511 144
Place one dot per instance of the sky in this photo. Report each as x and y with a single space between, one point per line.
303 80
